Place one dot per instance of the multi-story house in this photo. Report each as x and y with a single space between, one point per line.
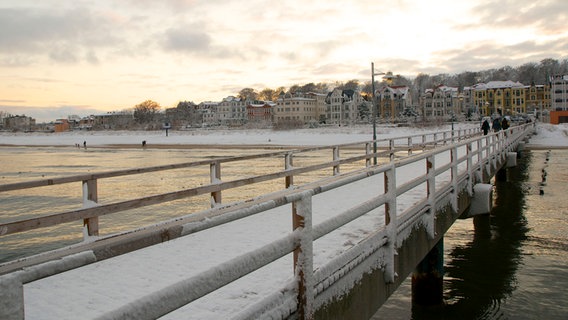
209 113
499 97
19 123
537 98
118 120
559 93
232 111
343 106
441 103
298 108
260 112
393 100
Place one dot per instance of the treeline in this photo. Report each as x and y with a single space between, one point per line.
528 73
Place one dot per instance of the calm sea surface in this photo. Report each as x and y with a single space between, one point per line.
512 264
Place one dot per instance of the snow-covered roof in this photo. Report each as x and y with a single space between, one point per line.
498 85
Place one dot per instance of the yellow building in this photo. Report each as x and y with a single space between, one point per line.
499 97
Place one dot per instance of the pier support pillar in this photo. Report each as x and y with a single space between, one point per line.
482 200
428 279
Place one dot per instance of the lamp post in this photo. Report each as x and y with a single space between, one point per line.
373 74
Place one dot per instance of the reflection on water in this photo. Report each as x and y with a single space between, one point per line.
510 264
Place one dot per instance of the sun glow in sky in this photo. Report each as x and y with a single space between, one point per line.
81 57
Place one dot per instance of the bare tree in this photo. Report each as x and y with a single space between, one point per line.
146 111
248 94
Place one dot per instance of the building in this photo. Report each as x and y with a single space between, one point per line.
499 98
299 108
260 112
441 103
537 98
343 106
18 123
232 111
121 120
559 93
209 114
393 100
61 125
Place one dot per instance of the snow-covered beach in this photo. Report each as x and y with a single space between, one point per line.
547 136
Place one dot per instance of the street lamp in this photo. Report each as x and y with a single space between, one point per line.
373 74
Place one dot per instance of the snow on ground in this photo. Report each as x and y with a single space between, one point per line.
299 137
547 135
94 289
550 136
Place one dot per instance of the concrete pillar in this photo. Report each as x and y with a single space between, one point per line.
482 200
511 159
428 279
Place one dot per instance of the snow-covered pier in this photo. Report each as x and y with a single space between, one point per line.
333 247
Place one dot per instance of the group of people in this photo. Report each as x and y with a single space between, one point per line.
498 124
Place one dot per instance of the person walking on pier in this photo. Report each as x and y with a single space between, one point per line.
485 127
496 125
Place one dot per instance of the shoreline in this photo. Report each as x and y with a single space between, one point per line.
159 146
211 146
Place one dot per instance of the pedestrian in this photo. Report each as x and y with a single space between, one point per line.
143 143
496 125
505 123
85 144
485 127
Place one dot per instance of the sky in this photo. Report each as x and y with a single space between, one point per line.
86 57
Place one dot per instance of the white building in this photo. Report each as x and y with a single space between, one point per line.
299 108
559 93
232 111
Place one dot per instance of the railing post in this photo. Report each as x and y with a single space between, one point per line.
431 194
391 149
390 220
303 255
368 152
454 176
336 158
435 139
471 180
423 142
215 174
409 146
90 198
288 163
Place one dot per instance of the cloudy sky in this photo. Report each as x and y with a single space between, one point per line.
59 57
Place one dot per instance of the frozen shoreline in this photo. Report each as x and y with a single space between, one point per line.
547 136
